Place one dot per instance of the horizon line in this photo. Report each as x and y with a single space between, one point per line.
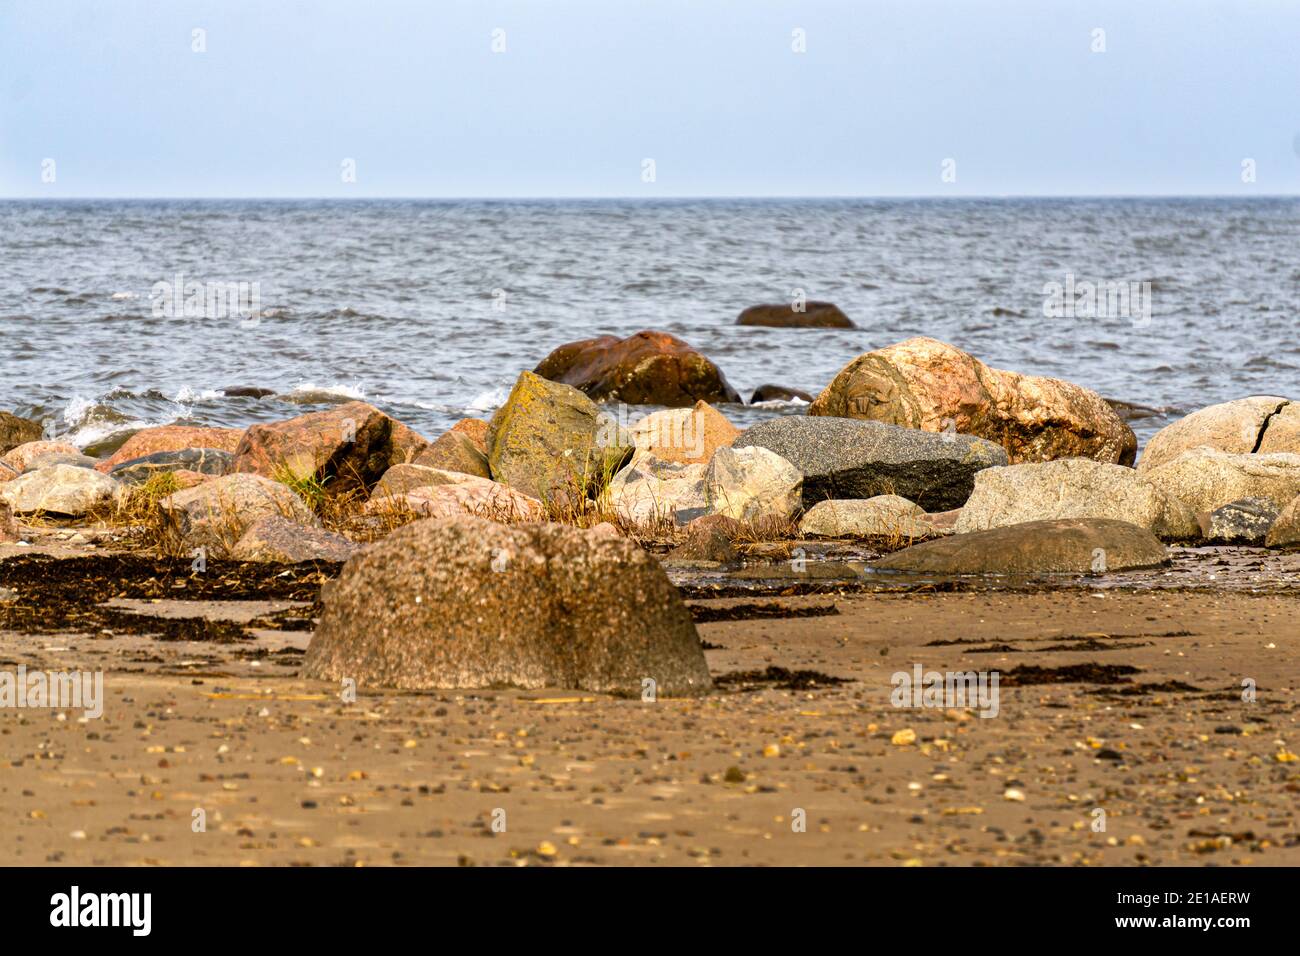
643 198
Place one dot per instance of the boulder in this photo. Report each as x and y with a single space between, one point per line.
1285 530
1074 488
650 489
778 393
1205 478
346 448
812 315
754 485
469 495
689 435
399 479
58 490
927 384
75 459
174 438
247 391
1258 424
648 368
216 513
543 442
1239 522
454 451
15 431
465 603
840 458
705 543
200 461
1060 546
19 459
885 516
282 541
476 429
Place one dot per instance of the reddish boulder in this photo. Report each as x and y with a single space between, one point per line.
20 459
150 441
813 315
648 368
476 429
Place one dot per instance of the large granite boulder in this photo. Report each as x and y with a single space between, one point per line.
1061 546
1205 478
1259 424
753 484
650 490
455 451
927 384
1074 488
216 514
283 541
449 494
58 490
1285 530
172 438
201 461
466 603
812 315
885 516
15 431
346 448
21 458
840 458
648 368
689 435
543 442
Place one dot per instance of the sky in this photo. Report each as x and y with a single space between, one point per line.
648 98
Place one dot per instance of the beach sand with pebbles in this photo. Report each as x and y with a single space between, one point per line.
1125 699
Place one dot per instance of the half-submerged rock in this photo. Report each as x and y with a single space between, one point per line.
465 603
841 458
648 368
927 384
804 315
1063 546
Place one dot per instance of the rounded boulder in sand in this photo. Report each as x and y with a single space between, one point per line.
464 602
1091 545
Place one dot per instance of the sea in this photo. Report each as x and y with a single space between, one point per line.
430 309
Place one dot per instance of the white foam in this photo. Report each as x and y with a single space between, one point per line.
188 396
354 393
489 401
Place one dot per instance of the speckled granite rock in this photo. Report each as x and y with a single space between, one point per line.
288 542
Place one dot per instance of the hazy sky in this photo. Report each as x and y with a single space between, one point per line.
587 90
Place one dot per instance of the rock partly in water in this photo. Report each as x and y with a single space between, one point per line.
455 451
927 384
754 485
1062 546
648 368
215 514
283 541
247 391
1245 426
689 435
1205 478
15 431
346 448
778 393
1239 522
1074 488
543 442
20 459
802 315
202 461
1285 530
840 458
173 438
59 490
885 516
465 603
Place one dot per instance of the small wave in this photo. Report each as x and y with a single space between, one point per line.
87 422
309 393
489 401
119 296
792 402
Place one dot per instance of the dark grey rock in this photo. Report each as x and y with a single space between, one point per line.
848 458
1244 521
205 461
1060 546
778 393
246 391
464 602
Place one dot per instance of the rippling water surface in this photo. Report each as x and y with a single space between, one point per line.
394 301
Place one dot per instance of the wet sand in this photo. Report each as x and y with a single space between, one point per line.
286 772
